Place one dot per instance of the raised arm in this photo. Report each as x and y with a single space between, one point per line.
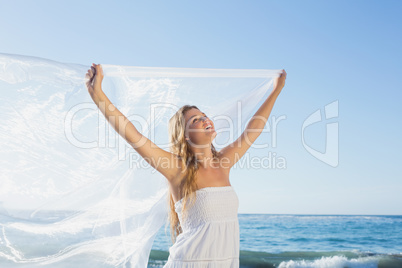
235 151
154 155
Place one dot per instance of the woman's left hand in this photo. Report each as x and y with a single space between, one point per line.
279 82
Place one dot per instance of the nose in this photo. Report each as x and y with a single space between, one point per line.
205 119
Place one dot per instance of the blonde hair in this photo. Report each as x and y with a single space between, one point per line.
180 147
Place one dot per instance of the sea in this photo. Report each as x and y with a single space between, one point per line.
338 241
270 240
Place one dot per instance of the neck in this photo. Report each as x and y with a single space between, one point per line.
204 156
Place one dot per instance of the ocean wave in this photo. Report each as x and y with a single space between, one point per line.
333 262
304 259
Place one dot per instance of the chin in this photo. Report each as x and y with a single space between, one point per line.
214 135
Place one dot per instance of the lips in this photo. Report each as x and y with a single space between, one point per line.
208 126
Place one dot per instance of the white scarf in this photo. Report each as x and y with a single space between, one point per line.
72 191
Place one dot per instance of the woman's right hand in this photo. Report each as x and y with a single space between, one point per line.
94 78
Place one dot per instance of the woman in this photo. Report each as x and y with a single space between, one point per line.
205 231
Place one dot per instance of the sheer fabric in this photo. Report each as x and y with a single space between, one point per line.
72 191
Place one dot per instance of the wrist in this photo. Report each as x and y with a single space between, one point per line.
277 90
96 95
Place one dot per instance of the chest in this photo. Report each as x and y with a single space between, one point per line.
212 177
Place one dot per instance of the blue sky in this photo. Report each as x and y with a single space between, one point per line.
345 51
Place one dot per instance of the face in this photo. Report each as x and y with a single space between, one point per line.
200 130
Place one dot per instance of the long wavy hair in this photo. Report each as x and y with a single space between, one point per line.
181 148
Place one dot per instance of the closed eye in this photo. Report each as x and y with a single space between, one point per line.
198 118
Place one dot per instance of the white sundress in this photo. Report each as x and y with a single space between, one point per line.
210 236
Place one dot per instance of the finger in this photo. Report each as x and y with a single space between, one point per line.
89 84
99 69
